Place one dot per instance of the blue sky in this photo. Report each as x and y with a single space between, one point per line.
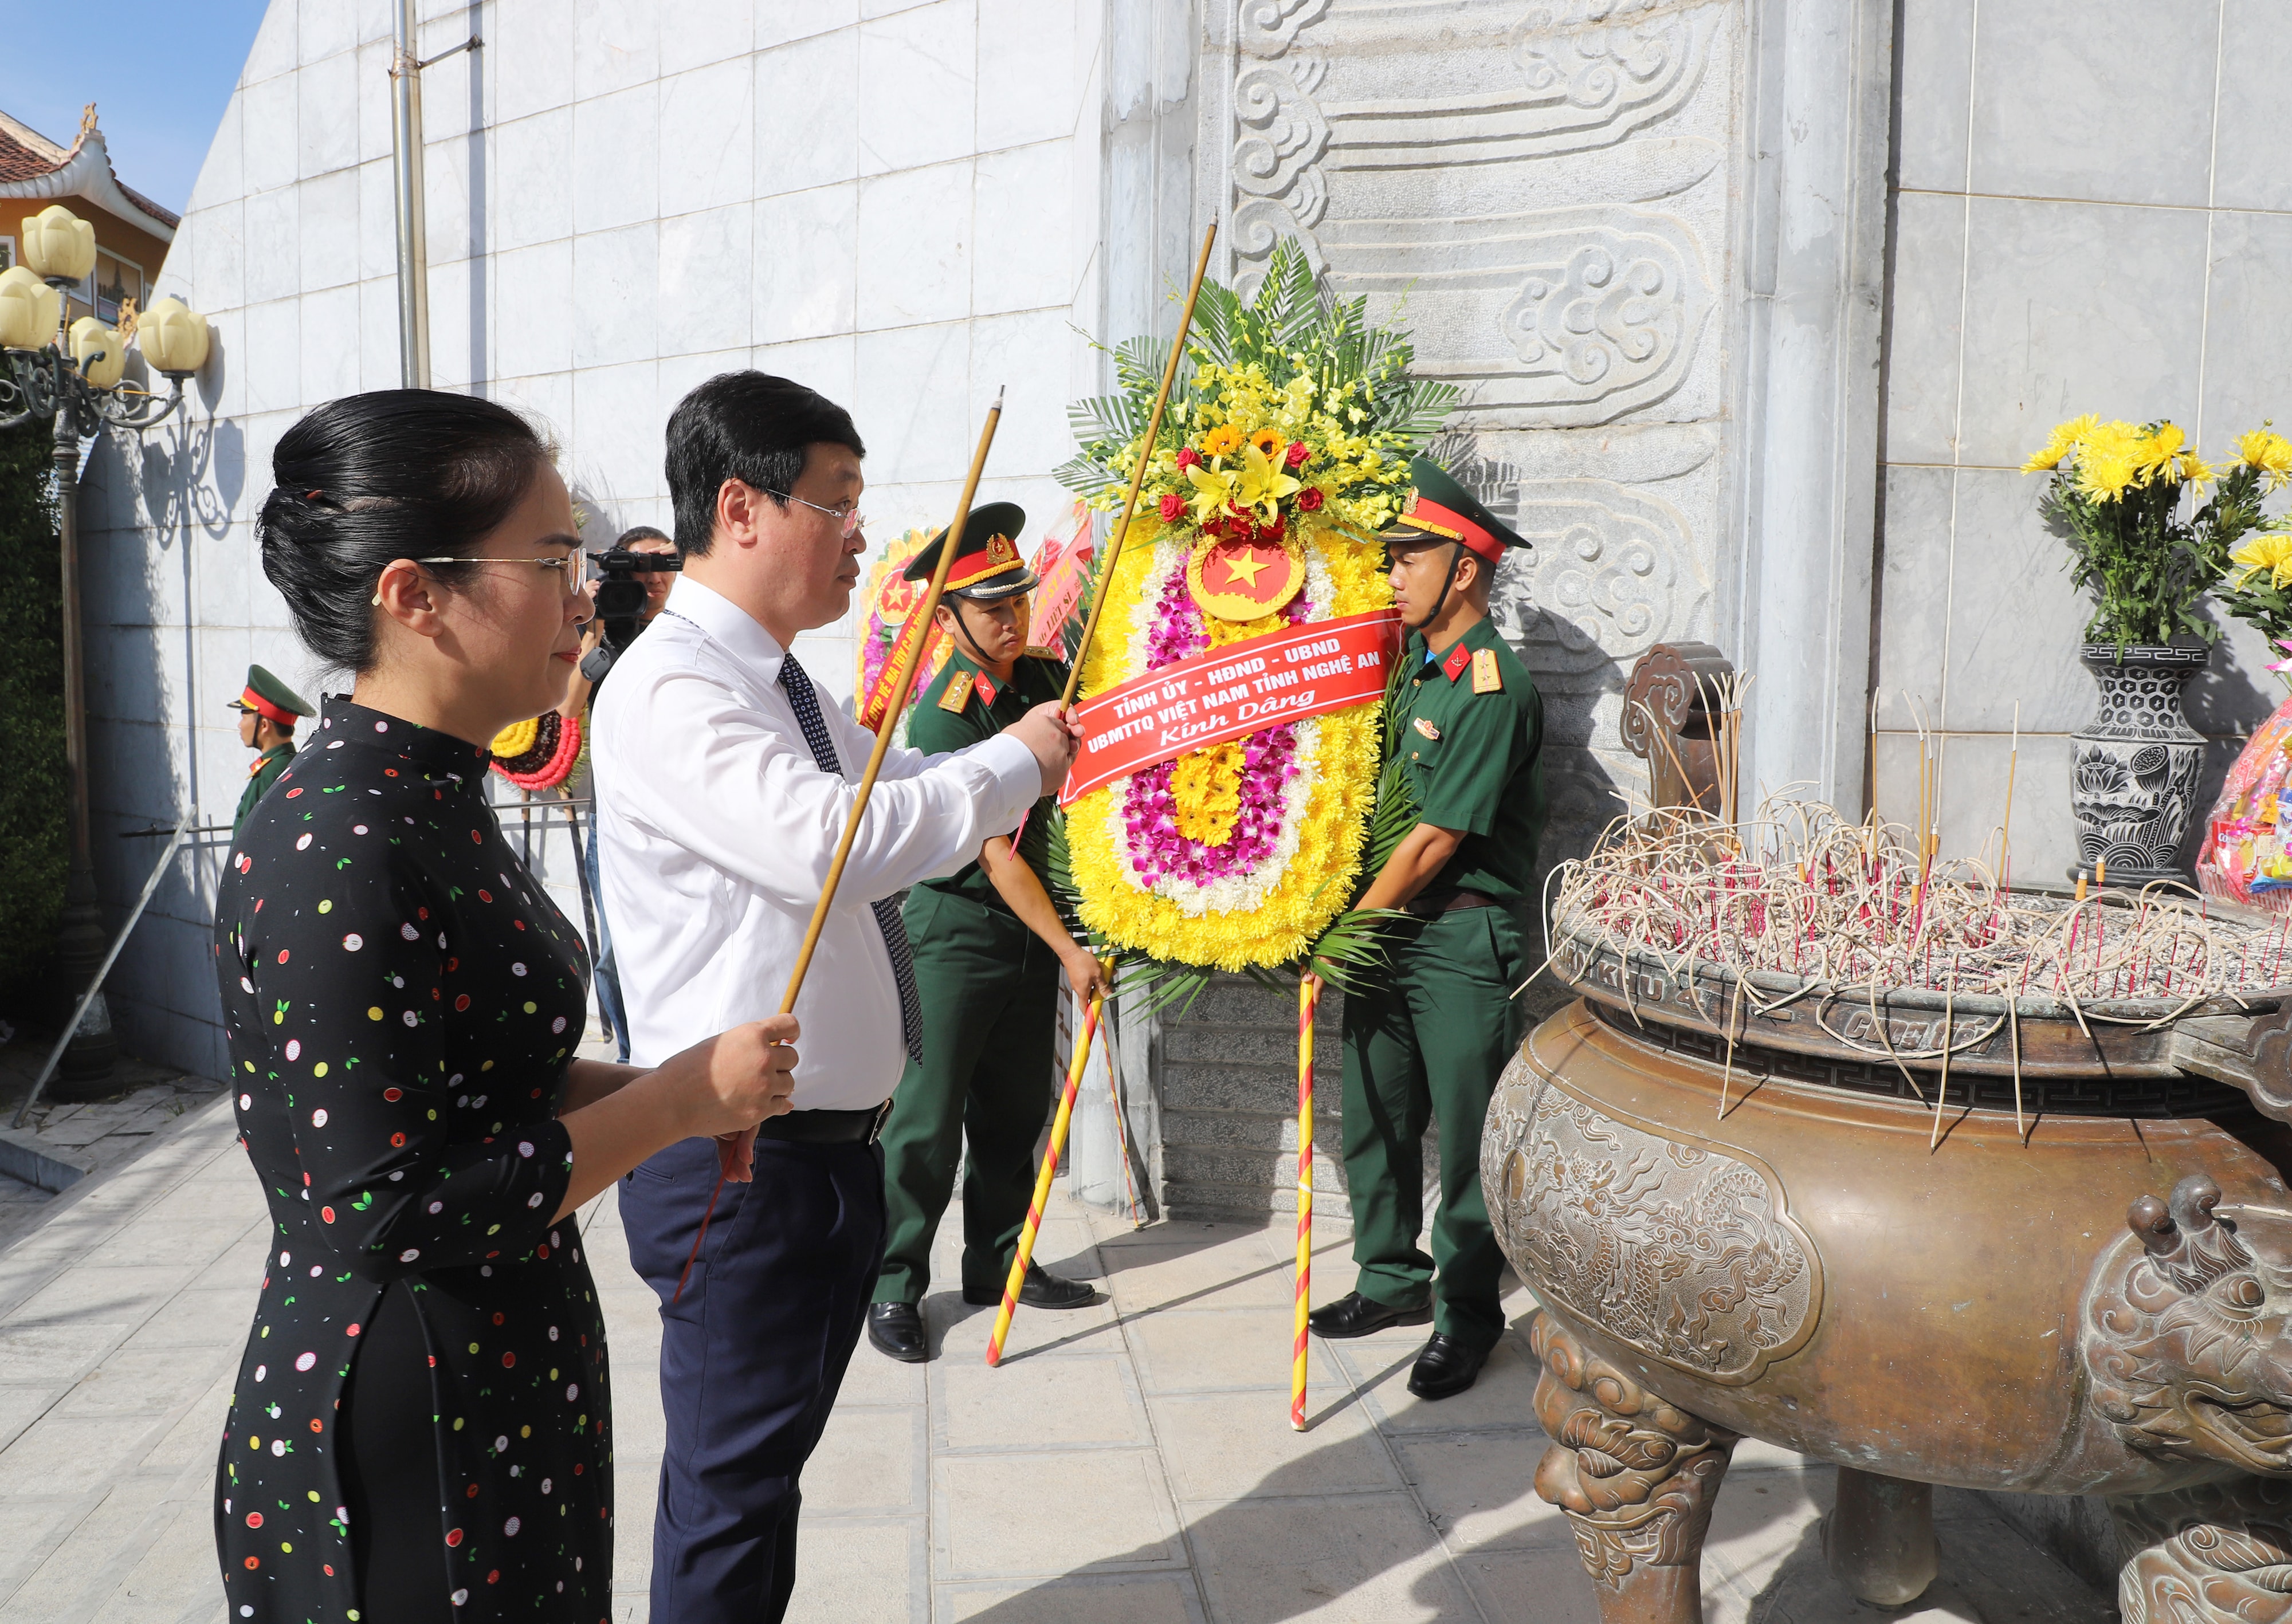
159 74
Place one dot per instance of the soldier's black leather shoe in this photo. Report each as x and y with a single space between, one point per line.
1042 1289
1446 1368
897 1330
1355 1315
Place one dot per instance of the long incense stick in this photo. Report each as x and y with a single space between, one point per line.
1138 474
734 1153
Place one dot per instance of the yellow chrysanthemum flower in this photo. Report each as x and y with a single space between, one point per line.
2060 444
2156 455
2270 554
2104 478
2268 453
2194 469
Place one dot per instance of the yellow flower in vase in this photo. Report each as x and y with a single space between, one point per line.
2063 441
2268 554
2156 455
2104 478
2267 453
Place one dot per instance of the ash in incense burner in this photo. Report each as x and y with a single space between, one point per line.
1880 1160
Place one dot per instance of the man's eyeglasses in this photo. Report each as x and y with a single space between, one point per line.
844 513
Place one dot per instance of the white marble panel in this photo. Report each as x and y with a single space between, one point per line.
1023 259
2236 693
379 363
1028 90
377 220
829 364
269 132
806 265
616 433
2015 622
696 32
546 399
326 99
915 243
1975 769
531 183
453 364
1029 356
447 182
615 280
372 92
328 230
807 114
330 342
2248 334
708 138
225 577
678 377
216 264
274 236
617 155
1913 594
1933 47
533 303
616 44
2110 107
221 177
704 276
2118 333
1928 286
778 21
274 49
916 89
910 400
2248 167
529 50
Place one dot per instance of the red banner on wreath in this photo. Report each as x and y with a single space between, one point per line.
1283 676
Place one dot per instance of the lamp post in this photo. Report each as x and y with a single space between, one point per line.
73 380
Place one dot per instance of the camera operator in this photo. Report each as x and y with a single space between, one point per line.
621 618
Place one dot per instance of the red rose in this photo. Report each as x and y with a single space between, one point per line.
1297 455
1173 507
1189 457
1309 500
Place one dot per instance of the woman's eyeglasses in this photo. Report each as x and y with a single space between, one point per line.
844 513
574 567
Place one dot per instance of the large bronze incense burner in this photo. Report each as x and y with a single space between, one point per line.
2097 1300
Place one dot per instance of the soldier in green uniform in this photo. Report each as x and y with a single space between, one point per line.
988 948
267 710
1431 1042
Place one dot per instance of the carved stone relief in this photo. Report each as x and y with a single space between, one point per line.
1681 1252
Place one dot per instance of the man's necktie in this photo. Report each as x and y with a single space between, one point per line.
805 704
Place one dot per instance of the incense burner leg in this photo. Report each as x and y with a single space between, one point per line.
1636 1477
1879 1537
2217 1553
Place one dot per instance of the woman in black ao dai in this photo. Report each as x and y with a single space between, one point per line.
421 1425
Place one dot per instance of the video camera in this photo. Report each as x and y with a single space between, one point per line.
621 595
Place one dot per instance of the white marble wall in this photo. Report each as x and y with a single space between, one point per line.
2090 216
1547 194
895 202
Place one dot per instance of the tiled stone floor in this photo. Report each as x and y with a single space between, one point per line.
143 1104
1129 1464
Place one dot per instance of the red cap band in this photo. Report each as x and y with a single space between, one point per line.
261 706
1435 520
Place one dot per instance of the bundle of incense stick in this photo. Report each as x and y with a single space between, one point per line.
1801 894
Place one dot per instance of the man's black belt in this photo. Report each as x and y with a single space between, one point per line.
826 1127
1434 904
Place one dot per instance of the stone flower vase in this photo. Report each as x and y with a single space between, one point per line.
2134 766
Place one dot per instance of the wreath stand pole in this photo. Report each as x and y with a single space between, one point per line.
1050 1168
736 1152
1308 994
1138 474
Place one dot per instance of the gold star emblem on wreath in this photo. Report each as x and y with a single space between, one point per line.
1244 580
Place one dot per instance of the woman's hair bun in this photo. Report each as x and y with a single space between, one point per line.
393 474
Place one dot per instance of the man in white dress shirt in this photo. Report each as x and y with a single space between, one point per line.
724 781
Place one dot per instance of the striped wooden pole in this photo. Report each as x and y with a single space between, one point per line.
1308 994
1043 1183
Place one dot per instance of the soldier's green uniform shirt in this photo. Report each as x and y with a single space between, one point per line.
1430 1044
990 992
263 774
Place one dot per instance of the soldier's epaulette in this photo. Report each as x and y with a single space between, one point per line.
957 694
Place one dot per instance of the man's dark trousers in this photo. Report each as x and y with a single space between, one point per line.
751 1355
